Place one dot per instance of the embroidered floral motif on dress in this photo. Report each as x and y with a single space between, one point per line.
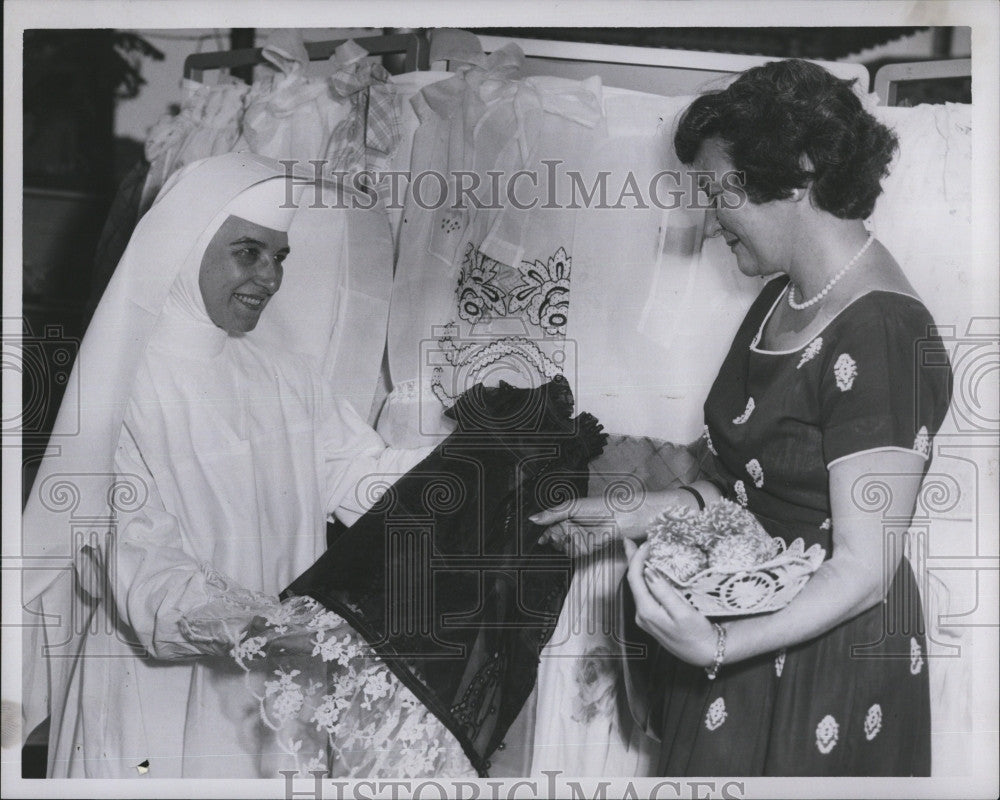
741 493
544 292
811 351
779 663
922 444
756 472
826 525
845 370
827 733
708 441
535 295
716 714
477 292
742 418
916 657
873 721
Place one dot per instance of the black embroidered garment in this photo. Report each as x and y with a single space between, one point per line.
444 577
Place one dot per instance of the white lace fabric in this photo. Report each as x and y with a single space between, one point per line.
325 700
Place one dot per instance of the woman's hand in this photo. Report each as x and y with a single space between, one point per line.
662 612
297 641
588 525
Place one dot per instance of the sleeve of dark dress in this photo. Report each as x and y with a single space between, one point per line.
885 380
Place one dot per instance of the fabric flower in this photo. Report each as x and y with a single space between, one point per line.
873 721
922 444
916 657
726 518
677 524
740 542
677 559
756 472
708 441
741 493
811 351
845 370
716 714
827 733
742 418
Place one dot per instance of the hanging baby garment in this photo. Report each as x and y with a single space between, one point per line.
289 114
365 138
208 124
486 287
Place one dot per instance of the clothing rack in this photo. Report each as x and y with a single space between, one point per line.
413 45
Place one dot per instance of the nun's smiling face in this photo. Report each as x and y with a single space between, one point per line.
240 271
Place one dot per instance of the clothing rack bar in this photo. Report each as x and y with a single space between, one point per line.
413 45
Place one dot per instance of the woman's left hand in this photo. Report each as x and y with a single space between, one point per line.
662 612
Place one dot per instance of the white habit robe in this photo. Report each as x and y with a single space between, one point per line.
237 454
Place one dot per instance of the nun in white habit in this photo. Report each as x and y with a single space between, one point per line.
214 457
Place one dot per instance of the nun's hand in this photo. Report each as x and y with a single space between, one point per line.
586 525
662 612
281 641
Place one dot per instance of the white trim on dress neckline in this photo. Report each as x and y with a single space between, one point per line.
760 330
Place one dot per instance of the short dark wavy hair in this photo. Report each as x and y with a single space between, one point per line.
773 115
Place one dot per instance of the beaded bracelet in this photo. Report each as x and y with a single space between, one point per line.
696 494
720 651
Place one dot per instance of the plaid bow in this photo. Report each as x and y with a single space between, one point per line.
373 119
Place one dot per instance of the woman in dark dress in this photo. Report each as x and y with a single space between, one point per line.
820 422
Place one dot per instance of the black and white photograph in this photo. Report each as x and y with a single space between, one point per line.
501 400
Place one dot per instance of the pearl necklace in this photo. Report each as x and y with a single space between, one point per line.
813 300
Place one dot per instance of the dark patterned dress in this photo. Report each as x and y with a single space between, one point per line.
855 700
